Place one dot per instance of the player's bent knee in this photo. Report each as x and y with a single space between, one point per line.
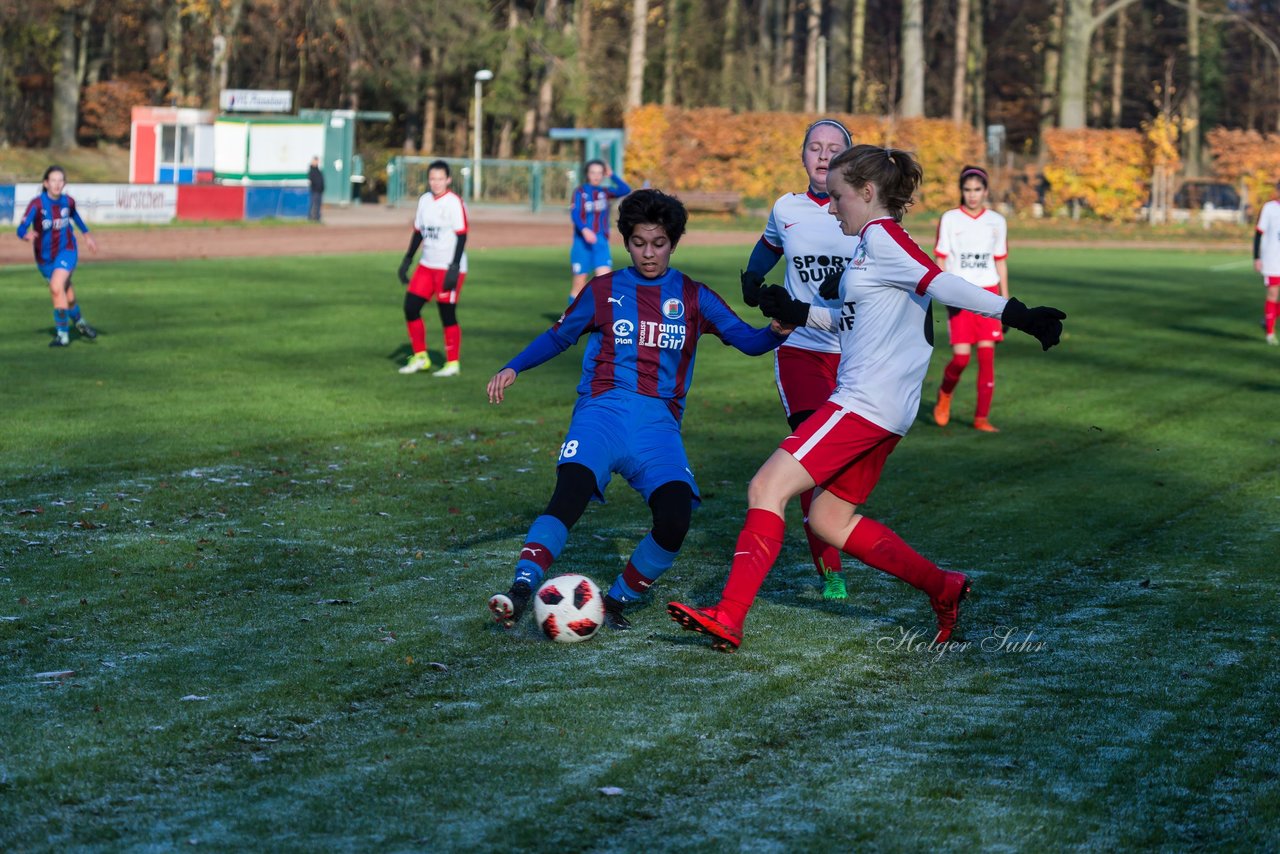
413 306
448 314
672 506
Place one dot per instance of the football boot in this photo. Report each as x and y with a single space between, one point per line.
509 607
947 605
942 409
613 616
707 621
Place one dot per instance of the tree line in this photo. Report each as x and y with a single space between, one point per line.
69 71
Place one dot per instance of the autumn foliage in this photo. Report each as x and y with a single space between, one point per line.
758 154
106 108
1107 170
1247 159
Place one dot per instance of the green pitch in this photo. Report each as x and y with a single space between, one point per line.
263 557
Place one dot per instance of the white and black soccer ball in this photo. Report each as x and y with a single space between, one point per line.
569 608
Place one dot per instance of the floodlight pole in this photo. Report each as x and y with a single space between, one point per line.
481 76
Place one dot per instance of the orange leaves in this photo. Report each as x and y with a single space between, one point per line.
1105 169
758 154
1248 159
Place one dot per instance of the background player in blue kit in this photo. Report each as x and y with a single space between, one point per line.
643 325
800 229
590 213
47 225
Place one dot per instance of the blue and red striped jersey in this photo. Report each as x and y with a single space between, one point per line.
51 219
590 206
643 334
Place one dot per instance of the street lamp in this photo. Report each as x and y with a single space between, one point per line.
482 75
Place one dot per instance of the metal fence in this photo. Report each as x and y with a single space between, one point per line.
524 183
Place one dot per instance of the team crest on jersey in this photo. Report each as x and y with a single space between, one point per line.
673 309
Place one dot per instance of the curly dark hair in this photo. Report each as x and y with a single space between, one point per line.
895 173
652 207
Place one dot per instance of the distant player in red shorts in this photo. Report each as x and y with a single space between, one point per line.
814 248
885 328
973 243
1266 260
440 228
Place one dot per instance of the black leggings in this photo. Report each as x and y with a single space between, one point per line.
671 504
413 310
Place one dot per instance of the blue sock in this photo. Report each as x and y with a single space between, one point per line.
546 539
74 314
647 564
60 322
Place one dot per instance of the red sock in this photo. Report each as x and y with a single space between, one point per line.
826 557
452 342
951 374
417 335
1271 312
877 546
986 380
753 557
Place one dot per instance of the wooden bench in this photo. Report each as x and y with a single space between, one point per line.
704 201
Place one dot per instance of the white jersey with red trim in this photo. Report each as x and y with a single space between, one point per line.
884 324
440 219
1269 246
801 229
970 246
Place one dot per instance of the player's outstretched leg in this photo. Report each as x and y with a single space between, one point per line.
672 506
756 549
879 547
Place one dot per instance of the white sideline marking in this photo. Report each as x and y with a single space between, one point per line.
1219 268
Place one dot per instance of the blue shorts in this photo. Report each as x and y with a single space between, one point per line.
588 257
631 434
64 260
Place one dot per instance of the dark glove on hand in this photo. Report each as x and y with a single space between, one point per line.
830 288
450 278
404 269
1042 322
775 302
751 283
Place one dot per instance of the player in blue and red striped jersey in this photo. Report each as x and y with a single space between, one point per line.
590 213
642 326
47 225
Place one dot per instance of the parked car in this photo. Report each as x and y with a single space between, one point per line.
1210 195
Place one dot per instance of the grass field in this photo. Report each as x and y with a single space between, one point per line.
264 555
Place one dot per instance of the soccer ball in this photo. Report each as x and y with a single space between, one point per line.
569 608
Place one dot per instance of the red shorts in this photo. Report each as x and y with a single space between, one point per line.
805 378
965 327
1271 281
427 281
844 453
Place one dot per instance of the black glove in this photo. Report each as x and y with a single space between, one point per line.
775 302
1042 322
404 269
830 288
751 283
450 278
